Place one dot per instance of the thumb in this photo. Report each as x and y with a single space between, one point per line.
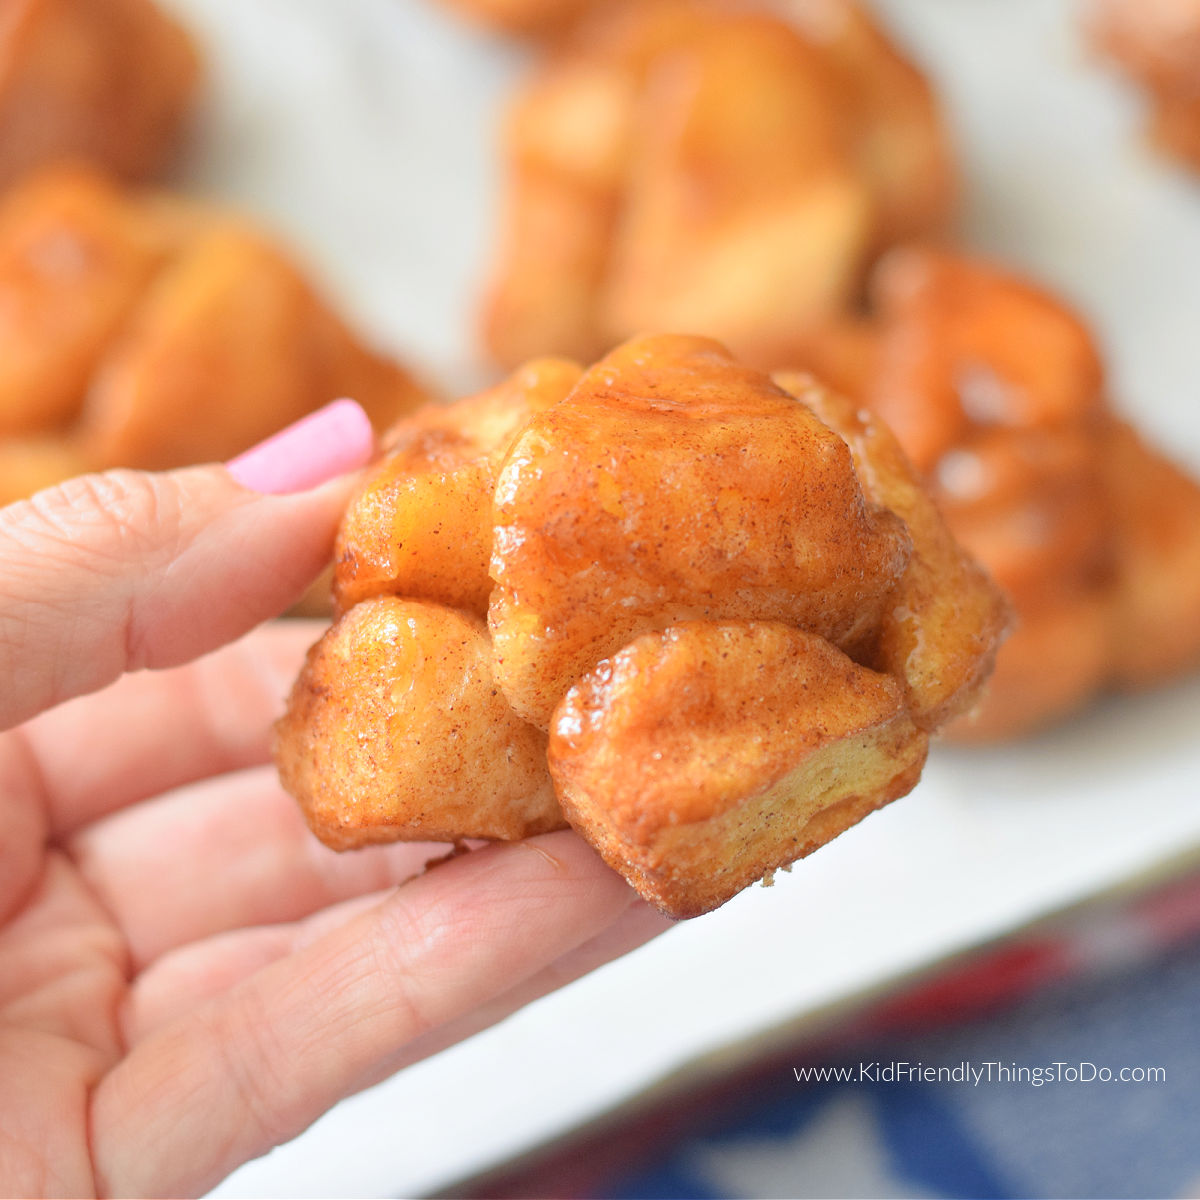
111 573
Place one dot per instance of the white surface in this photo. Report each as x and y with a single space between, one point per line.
364 130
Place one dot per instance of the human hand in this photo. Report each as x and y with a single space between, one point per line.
187 977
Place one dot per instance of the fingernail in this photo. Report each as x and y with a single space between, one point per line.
333 440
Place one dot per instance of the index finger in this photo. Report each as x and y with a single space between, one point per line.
115 572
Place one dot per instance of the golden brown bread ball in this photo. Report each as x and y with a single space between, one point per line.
996 391
709 166
1157 43
396 729
106 81
704 756
728 600
421 525
670 488
140 331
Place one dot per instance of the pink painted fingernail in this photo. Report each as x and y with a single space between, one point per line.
333 440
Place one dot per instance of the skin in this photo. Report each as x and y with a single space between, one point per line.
159 895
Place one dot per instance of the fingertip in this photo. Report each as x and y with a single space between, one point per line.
318 448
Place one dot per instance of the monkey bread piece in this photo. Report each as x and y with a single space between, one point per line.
421 526
396 730
727 168
1157 43
672 484
750 120
996 391
231 330
727 601
946 620
148 332
106 81
699 759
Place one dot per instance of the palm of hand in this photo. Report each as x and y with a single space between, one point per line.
188 978
89 968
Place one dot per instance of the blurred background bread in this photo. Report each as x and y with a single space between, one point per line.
146 330
716 168
112 82
997 391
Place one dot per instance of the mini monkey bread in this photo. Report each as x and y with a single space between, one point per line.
144 329
707 618
997 391
729 167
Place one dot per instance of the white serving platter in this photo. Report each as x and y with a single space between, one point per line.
364 131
